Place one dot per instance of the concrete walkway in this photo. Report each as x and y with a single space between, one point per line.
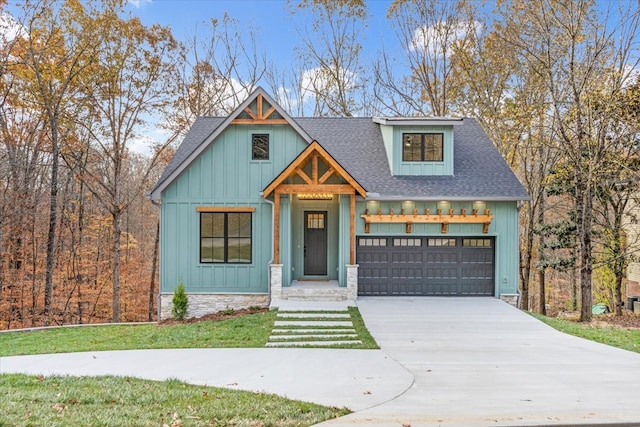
444 361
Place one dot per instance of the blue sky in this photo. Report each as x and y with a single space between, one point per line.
276 27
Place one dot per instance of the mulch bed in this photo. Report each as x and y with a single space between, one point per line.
627 320
215 317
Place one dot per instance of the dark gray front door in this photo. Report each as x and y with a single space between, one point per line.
393 265
315 243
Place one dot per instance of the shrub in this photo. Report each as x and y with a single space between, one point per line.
180 303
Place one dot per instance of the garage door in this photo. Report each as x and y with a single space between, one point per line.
425 266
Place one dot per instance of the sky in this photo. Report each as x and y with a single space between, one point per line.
276 28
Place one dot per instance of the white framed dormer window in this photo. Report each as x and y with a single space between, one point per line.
422 147
260 146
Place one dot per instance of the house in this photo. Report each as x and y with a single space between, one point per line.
258 207
632 237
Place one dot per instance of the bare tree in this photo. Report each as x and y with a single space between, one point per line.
332 77
430 33
133 79
220 67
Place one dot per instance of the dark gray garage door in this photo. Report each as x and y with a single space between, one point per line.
425 266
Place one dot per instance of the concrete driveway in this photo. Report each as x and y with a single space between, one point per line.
482 362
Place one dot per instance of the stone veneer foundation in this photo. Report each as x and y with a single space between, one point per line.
202 304
510 299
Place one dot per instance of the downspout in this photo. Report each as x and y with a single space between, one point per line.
158 204
273 227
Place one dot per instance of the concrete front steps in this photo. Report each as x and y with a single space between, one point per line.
309 290
326 328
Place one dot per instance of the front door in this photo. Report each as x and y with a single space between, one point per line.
315 243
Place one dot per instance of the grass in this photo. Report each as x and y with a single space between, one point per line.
113 401
361 330
627 339
367 341
119 401
247 331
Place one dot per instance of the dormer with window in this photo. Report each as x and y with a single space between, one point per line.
419 146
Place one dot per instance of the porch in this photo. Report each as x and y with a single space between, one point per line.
313 290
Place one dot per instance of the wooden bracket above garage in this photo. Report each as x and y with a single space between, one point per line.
427 217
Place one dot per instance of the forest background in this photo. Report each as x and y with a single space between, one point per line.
93 104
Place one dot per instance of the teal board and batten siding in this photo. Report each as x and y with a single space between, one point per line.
292 236
392 137
504 228
224 175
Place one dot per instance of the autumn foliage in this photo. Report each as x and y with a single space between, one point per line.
77 234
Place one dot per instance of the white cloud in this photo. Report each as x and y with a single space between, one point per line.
319 80
441 36
139 3
9 29
630 76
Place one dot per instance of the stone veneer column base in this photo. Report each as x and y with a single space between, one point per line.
275 277
352 281
202 304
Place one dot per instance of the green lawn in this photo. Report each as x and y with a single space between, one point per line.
628 339
118 401
247 331
114 401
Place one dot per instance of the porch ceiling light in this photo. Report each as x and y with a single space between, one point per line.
315 196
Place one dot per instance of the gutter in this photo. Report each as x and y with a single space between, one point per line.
381 198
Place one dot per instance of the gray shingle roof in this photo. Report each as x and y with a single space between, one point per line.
479 170
480 173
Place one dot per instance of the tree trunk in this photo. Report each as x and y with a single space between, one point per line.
117 235
526 258
619 264
584 202
53 220
154 267
542 300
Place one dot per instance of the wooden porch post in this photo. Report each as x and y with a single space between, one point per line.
352 229
276 227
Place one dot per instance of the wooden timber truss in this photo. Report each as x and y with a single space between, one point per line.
427 217
314 183
259 112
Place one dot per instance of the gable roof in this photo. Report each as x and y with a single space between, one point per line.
356 143
204 132
303 157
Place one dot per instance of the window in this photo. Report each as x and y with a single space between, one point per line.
373 242
225 237
407 242
422 147
442 242
260 146
477 243
315 221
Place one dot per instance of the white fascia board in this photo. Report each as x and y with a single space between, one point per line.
418 121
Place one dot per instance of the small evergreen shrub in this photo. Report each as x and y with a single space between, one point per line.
228 311
180 303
